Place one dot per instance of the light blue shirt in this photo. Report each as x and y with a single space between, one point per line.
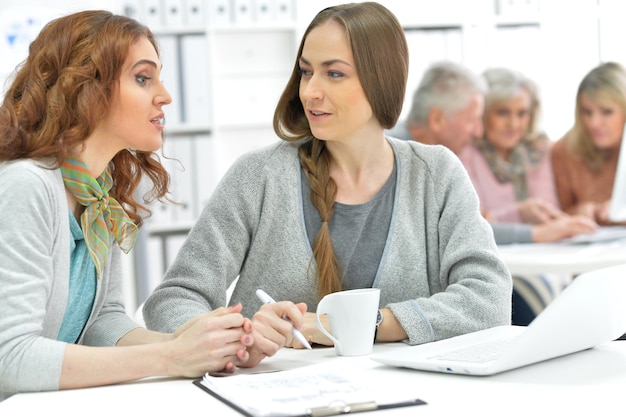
82 289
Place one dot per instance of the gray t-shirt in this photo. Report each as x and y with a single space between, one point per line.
358 232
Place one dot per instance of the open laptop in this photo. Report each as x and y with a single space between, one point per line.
617 212
590 311
601 234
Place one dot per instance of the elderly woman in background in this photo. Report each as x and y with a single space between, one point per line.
510 165
511 169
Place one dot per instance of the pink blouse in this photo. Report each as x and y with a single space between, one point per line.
499 198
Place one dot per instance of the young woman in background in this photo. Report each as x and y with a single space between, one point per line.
585 159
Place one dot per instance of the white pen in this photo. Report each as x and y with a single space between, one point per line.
266 299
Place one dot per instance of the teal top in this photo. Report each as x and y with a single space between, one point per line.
82 289
35 263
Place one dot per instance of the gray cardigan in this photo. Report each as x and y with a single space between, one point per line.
34 277
440 273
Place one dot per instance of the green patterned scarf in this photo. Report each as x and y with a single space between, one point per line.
523 158
102 214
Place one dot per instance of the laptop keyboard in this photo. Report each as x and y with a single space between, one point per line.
478 353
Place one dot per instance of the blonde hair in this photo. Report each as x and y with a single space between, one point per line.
606 82
381 59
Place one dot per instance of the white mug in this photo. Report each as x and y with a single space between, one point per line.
352 316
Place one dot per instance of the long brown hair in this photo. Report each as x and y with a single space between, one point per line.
63 90
381 59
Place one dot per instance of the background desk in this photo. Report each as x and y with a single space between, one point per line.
587 383
566 258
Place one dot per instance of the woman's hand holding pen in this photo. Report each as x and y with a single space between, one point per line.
311 332
270 329
216 341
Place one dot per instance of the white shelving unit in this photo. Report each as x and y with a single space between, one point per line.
225 63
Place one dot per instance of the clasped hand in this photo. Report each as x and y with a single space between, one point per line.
271 329
215 341
223 339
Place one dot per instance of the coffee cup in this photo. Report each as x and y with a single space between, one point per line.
352 318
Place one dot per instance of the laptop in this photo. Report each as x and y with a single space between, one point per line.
601 234
617 211
590 311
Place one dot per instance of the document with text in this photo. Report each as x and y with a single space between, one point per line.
307 391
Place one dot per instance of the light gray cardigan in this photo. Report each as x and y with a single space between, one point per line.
34 278
440 273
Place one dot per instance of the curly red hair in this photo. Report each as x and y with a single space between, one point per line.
63 90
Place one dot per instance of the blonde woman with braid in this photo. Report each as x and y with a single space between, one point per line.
336 205
78 128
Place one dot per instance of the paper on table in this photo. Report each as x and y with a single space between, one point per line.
295 391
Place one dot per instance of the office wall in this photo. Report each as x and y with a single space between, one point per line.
555 42
570 38
20 21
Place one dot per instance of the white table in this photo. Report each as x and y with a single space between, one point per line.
586 383
565 258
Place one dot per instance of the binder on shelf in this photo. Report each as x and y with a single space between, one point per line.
181 169
264 11
220 12
195 13
171 77
241 94
206 162
195 79
173 14
160 212
154 265
153 13
133 10
243 12
268 50
284 11
172 247
308 391
517 8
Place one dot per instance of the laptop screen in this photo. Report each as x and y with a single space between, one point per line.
617 212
